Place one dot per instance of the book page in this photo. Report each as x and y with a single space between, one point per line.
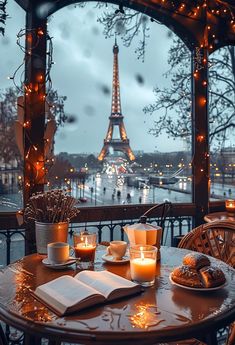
108 283
64 292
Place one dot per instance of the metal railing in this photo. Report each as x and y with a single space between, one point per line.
107 222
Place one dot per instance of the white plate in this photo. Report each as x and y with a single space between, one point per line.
111 259
69 262
196 288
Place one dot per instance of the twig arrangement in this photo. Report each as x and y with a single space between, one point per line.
53 206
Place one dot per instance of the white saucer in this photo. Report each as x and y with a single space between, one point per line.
111 259
196 288
62 265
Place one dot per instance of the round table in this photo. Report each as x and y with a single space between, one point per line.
217 216
161 313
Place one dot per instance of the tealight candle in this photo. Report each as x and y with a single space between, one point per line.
84 247
143 264
230 205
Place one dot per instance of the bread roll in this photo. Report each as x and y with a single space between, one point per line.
187 276
196 260
212 276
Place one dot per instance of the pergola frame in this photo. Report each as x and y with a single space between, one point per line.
197 25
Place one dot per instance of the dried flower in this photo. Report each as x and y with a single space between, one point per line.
53 206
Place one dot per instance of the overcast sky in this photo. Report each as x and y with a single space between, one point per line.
83 71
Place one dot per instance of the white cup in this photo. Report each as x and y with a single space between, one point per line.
117 249
58 252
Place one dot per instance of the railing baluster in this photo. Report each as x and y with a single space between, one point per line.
111 231
8 246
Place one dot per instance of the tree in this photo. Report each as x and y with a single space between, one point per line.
8 112
8 115
124 22
173 105
128 24
3 16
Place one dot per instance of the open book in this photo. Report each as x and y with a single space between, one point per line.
68 294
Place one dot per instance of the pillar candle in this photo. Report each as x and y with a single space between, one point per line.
143 269
86 252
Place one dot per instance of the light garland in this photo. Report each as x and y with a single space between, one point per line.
40 167
203 11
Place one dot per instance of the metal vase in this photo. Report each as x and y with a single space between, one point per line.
50 232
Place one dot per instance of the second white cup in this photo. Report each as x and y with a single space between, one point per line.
117 249
58 252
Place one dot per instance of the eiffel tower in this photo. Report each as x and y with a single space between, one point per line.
120 144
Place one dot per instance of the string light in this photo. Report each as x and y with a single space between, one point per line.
200 138
34 89
203 12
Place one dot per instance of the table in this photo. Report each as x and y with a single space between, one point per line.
161 313
216 216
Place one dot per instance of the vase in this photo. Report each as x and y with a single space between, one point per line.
50 232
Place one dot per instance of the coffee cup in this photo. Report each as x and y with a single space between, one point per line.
58 252
117 249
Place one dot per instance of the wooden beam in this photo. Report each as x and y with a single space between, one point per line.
200 165
23 4
34 115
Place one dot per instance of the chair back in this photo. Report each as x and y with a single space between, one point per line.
216 239
163 210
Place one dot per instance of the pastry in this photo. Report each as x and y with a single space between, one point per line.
196 260
187 276
212 276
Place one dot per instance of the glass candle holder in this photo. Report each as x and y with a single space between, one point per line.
230 206
84 248
143 264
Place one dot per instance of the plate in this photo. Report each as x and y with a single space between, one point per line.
63 265
111 259
195 288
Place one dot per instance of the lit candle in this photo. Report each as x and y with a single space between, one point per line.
143 269
230 206
85 251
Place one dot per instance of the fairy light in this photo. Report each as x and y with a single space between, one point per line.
200 138
34 89
26 124
40 32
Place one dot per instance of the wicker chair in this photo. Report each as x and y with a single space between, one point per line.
216 239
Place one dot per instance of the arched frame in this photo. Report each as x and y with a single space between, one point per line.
203 27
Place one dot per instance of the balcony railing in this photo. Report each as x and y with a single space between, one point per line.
107 221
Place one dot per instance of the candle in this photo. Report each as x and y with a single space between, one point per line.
143 270
230 205
143 264
84 247
85 252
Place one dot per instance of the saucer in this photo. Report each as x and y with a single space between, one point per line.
111 259
204 289
62 265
